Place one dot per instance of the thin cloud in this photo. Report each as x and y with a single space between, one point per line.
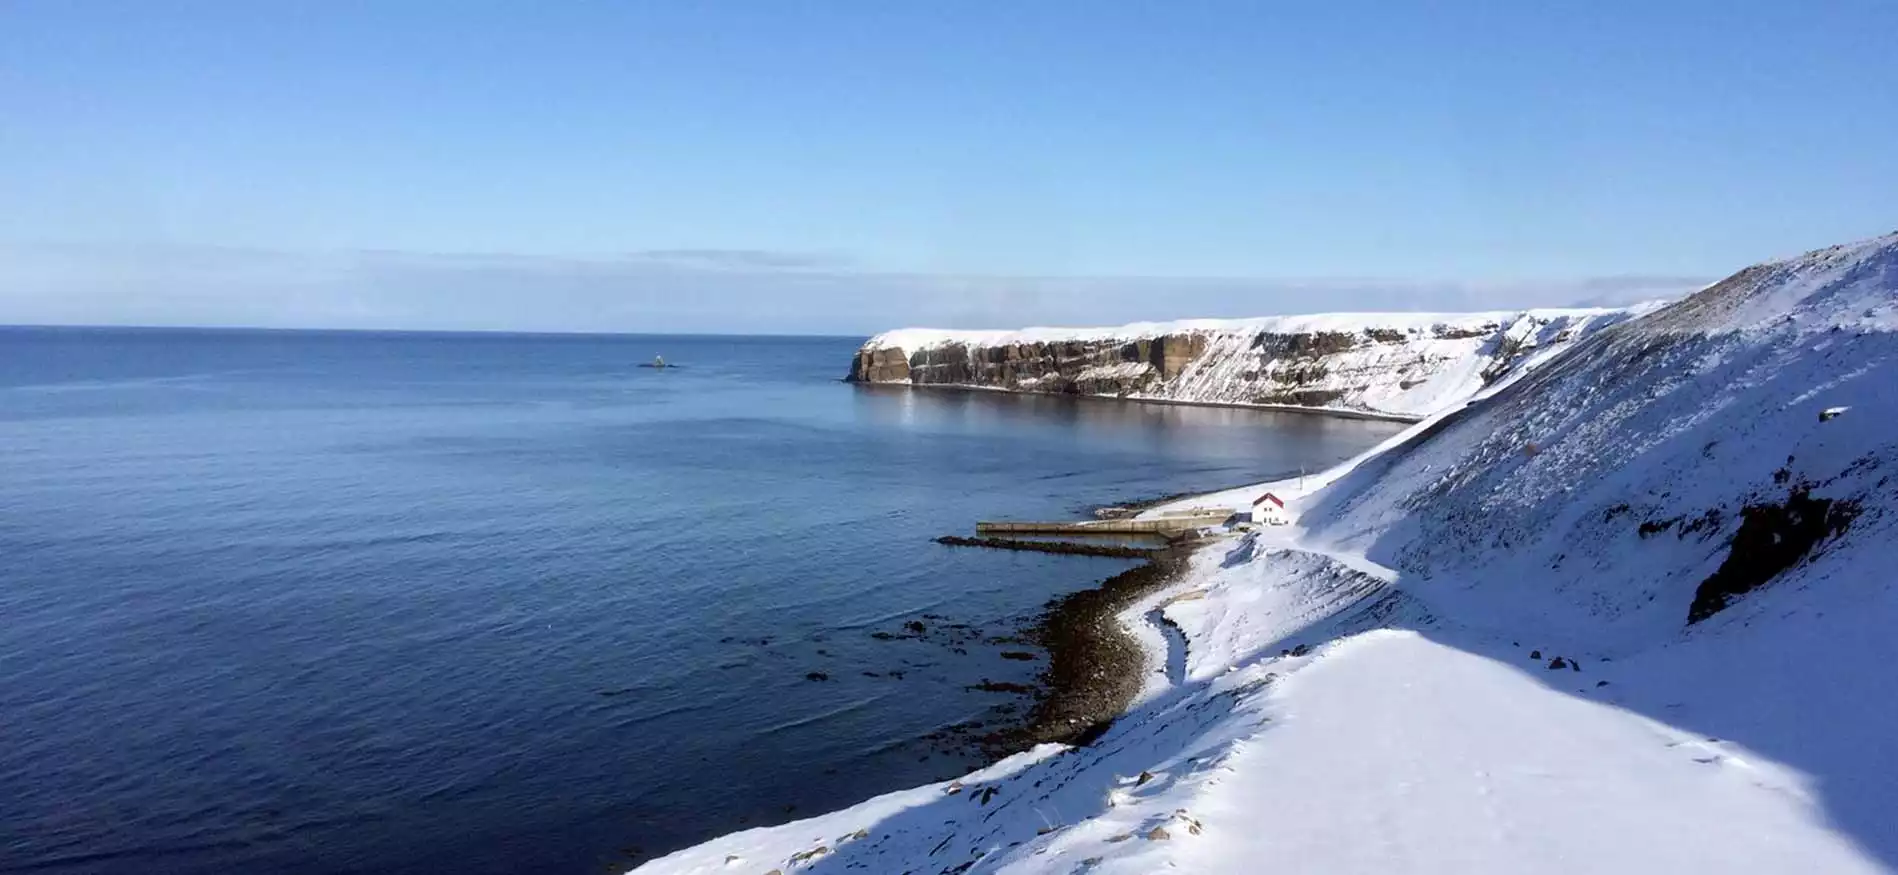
712 290
745 259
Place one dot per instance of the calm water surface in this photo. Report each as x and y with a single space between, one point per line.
332 602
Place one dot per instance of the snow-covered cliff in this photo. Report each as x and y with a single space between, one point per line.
1628 611
1404 365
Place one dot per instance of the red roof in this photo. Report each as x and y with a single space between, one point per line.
1268 497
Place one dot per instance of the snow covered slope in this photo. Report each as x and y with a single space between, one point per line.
1640 455
1629 612
1396 364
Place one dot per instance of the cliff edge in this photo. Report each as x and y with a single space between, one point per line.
1397 365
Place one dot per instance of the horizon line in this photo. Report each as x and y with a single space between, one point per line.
494 332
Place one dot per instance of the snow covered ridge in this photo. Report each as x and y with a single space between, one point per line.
1402 365
1477 649
1847 286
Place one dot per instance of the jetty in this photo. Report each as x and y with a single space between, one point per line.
1062 547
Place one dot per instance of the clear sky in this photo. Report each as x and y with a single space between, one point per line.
848 166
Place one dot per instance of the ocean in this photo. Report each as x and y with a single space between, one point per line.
328 602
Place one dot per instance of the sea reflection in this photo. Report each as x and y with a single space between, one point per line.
1227 432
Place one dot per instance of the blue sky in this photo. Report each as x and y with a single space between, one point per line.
842 166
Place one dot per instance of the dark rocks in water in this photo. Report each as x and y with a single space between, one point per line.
915 627
1772 538
1064 547
1133 507
883 636
1600 684
817 676
1535 654
1558 664
989 686
1019 654
1301 650
1093 667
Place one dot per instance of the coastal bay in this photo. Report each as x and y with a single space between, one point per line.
501 602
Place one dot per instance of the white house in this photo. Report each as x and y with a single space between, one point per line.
1270 510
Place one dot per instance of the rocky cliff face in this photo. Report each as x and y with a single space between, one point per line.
1399 365
1083 367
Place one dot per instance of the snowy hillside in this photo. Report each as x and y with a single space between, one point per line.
1628 611
1404 365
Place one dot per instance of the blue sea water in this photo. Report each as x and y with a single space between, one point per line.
417 603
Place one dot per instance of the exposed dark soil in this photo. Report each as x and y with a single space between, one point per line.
1772 538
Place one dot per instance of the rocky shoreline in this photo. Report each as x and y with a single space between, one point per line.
1095 666
1070 548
